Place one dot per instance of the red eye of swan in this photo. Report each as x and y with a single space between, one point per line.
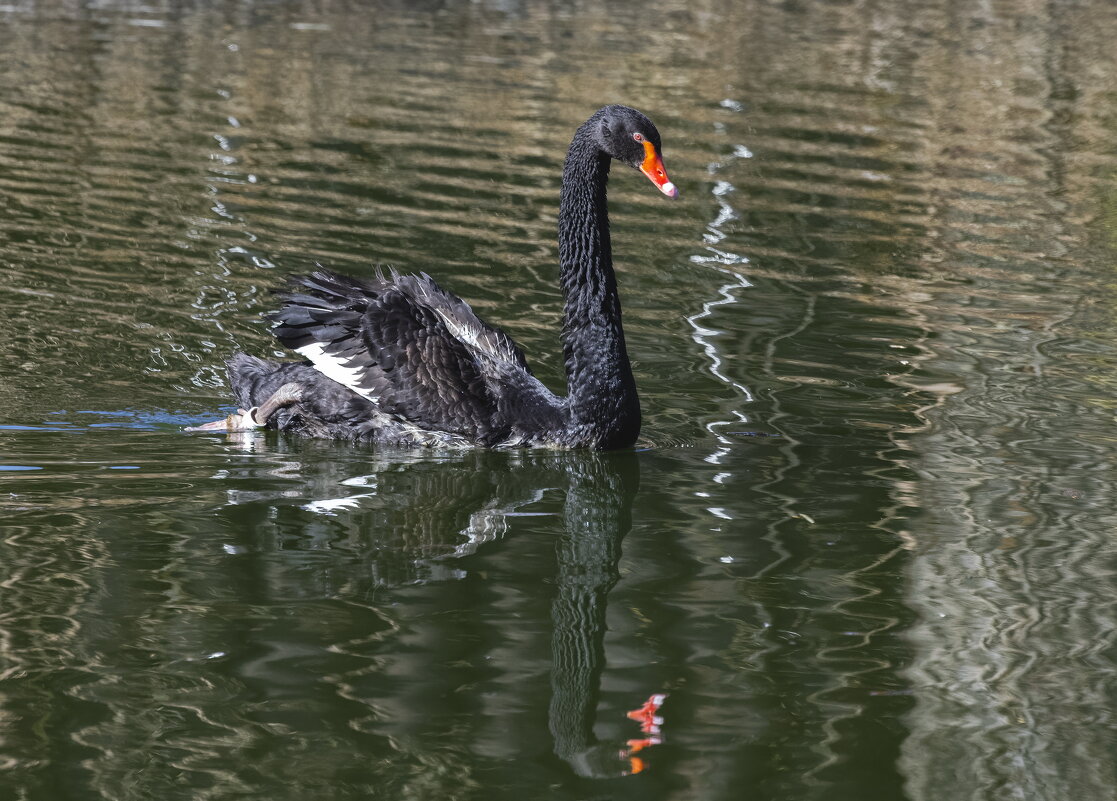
639 137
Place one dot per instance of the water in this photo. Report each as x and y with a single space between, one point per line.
865 547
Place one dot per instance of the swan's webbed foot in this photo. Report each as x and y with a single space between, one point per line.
287 395
257 416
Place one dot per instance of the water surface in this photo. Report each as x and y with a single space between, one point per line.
864 548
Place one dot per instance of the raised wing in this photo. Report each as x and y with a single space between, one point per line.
416 351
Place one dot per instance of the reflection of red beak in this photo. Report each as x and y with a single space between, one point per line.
654 169
646 715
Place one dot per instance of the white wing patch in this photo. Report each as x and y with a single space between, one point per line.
335 368
474 337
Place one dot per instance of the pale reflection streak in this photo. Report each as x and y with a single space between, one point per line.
720 260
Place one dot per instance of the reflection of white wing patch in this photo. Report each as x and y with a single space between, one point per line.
335 368
330 506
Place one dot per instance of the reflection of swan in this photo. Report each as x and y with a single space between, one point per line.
410 522
410 517
396 359
597 516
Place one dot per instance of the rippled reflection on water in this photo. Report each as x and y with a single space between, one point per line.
866 550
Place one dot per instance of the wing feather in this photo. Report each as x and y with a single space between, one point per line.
404 343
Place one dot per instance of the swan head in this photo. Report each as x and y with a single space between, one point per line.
630 137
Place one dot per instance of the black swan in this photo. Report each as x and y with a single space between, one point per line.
395 359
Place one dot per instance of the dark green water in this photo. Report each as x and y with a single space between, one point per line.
866 548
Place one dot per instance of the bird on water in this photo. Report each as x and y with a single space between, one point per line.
397 360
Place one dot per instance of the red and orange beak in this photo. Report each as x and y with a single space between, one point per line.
656 172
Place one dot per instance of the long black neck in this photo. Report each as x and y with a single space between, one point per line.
602 391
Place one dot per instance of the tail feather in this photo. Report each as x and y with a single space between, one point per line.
325 282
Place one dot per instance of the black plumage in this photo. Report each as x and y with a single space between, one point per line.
396 359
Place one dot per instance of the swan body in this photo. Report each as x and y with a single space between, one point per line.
395 359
